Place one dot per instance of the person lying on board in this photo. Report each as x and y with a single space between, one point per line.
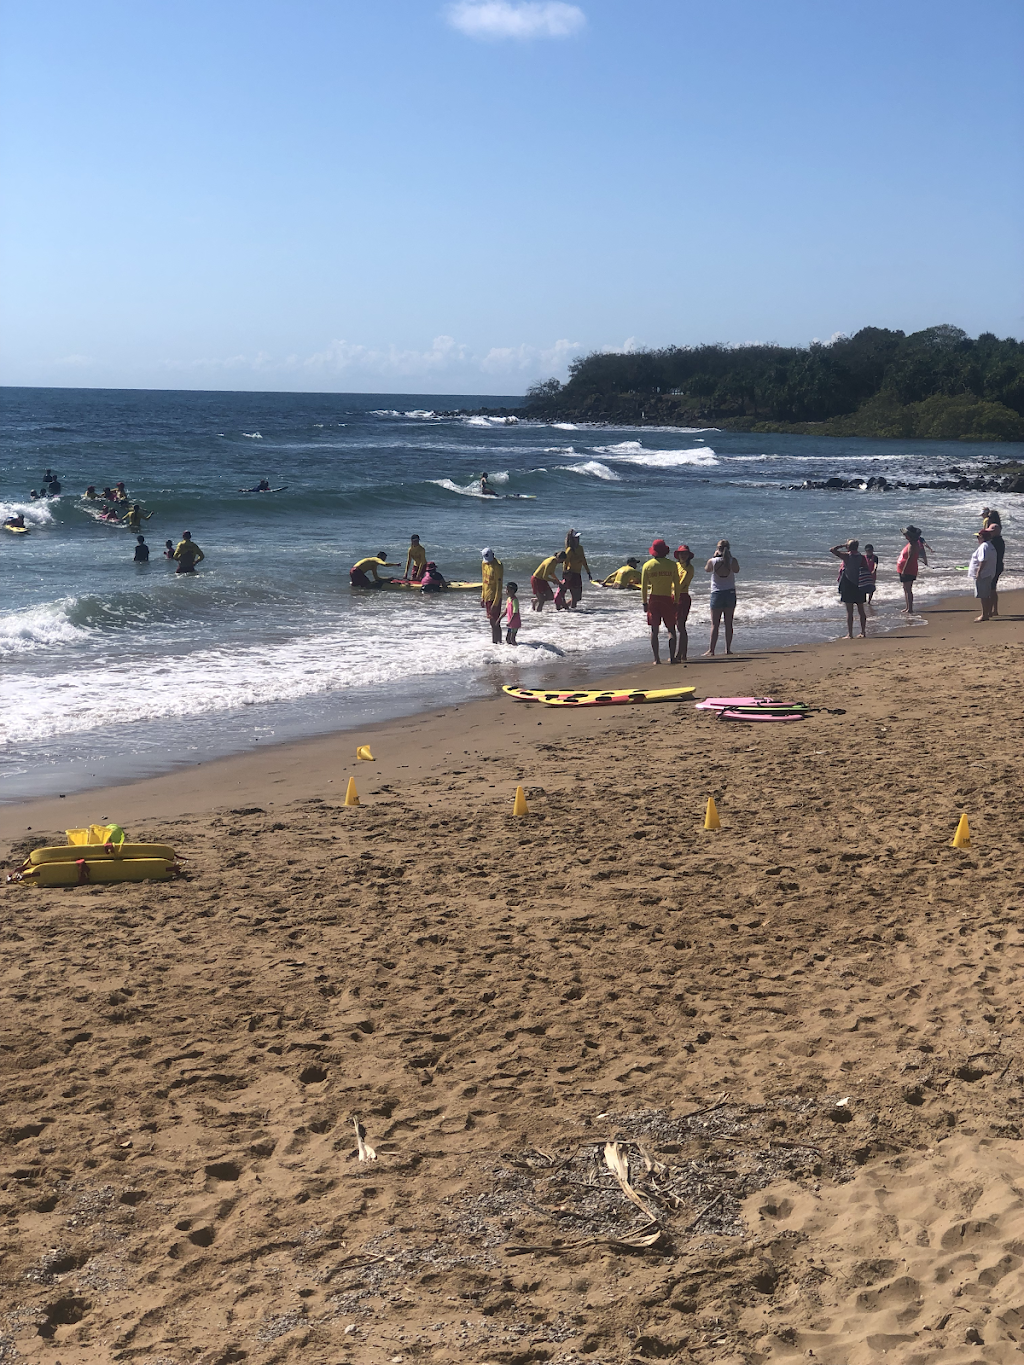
626 577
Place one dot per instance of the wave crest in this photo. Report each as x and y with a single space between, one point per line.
595 469
35 513
633 452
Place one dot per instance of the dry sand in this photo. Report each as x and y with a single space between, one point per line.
800 1034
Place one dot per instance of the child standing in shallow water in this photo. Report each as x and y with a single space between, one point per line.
512 618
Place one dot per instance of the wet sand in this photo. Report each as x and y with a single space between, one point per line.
800 1034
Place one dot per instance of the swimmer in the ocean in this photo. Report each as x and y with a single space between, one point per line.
168 549
17 521
187 553
90 492
485 488
433 580
141 550
357 575
416 559
134 519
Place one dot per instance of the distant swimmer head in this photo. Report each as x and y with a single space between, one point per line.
382 554
869 549
910 532
142 540
186 535
487 555
431 565
414 540
659 549
511 589
723 545
684 553
984 534
632 561
853 545
169 544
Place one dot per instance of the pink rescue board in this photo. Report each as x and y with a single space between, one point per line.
723 703
767 715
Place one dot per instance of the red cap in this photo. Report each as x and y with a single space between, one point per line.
659 549
684 550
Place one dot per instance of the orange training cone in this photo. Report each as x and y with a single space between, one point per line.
711 815
363 752
351 795
962 837
520 807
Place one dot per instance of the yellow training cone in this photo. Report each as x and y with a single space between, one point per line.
351 795
363 752
520 807
711 815
962 837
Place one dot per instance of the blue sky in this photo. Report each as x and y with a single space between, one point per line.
420 197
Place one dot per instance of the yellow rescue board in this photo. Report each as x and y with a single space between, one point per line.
621 698
70 853
94 871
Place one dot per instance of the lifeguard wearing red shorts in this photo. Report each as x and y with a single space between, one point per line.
659 584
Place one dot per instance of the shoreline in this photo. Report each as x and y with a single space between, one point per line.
321 764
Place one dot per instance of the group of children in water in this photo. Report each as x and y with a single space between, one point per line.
186 554
664 583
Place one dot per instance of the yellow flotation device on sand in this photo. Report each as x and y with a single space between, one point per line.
97 855
94 871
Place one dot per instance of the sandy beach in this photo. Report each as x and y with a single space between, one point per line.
631 1089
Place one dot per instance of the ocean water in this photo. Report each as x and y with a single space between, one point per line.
113 670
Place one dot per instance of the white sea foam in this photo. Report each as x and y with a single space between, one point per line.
594 468
633 452
438 638
492 421
35 513
252 435
39 628
422 414
565 426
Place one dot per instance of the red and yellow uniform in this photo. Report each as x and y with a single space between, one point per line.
659 583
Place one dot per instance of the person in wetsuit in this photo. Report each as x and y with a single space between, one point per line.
141 550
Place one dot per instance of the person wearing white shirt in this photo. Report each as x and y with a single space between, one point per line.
982 569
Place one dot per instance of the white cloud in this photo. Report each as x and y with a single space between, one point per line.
502 19
446 362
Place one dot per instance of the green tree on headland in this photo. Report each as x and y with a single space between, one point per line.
934 383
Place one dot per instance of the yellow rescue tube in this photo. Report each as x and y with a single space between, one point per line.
94 871
70 853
